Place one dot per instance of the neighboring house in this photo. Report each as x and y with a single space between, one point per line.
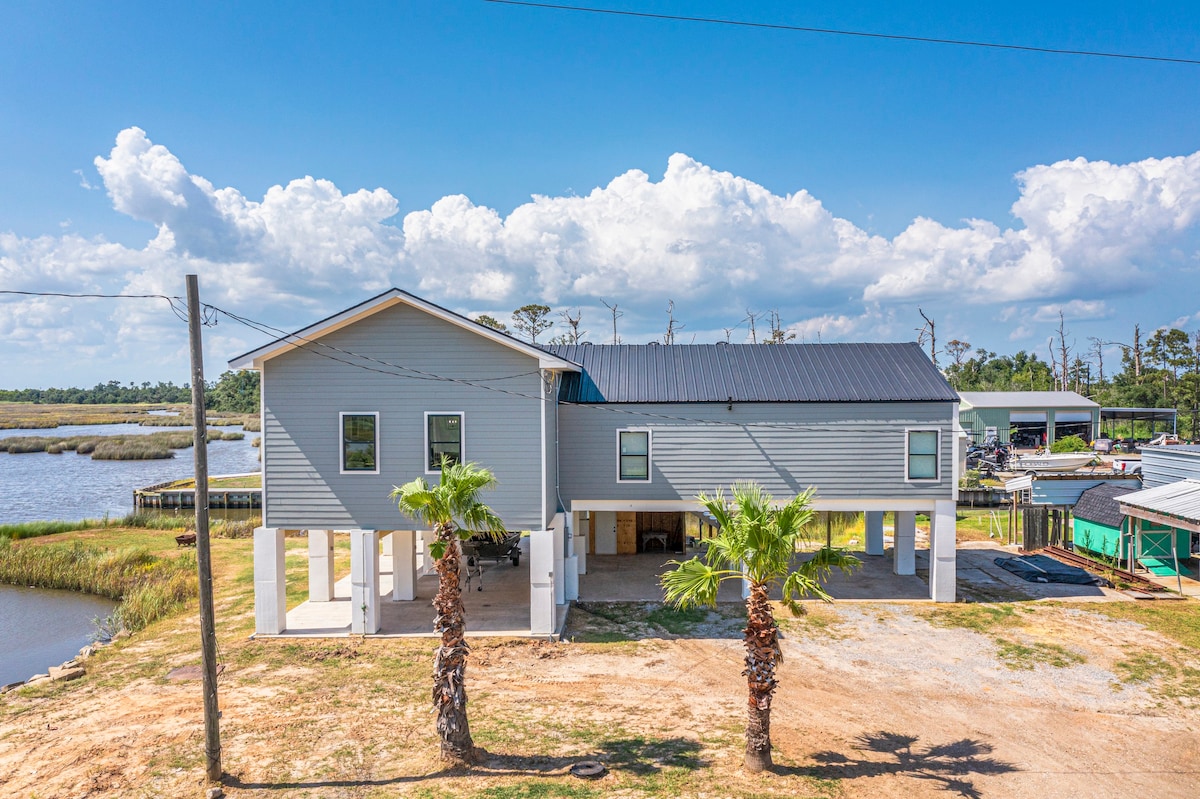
1163 522
1099 525
1028 418
1162 465
604 446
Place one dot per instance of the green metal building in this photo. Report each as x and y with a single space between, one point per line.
1028 418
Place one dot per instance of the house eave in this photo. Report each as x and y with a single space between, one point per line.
255 359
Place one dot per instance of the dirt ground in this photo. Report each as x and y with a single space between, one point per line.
876 700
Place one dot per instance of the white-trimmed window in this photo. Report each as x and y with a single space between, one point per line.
633 456
921 456
443 438
360 442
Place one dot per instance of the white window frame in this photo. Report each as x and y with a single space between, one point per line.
341 434
937 470
462 438
649 455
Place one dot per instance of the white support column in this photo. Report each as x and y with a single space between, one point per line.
404 564
320 566
874 522
942 552
541 582
571 568
389 541
560 567
580 552
364 582
905 543
270 589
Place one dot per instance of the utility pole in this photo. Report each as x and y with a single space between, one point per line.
208 632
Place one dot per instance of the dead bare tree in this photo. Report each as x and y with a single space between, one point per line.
928 333
1097 352
672 324
615 315
778 334
574 337
1064 351
751 316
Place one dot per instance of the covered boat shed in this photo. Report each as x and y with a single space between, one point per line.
1028 418
1155 418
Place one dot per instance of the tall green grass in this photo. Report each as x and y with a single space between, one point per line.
148 587
36 529
219 528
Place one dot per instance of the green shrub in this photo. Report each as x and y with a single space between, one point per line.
1069 444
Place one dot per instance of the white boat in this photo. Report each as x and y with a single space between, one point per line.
1061 462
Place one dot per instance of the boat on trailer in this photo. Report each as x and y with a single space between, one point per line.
1049 462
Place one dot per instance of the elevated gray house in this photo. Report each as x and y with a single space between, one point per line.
597 449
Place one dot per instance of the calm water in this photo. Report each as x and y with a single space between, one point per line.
68 487
40 628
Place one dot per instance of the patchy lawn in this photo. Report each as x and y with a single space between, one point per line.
1012 699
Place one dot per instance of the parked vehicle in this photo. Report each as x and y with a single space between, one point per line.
1164 440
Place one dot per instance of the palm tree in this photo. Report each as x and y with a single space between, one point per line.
757 542
453 509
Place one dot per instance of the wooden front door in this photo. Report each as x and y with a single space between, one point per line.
626 533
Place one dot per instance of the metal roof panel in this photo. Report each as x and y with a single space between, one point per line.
674 373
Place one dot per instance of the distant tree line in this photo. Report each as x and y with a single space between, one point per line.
233 392
1161 370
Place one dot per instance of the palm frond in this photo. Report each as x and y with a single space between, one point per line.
454 501
809 577
693 582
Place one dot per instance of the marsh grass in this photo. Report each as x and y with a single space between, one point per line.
149 587
152 446
42 416
16 532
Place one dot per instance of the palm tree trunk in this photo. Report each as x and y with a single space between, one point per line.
450 661
761 638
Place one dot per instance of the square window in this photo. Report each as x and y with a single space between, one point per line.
923 455
633 455
359 441
443 438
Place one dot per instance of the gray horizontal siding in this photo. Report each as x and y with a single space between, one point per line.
304 392
846 450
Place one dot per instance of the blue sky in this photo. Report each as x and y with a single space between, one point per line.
840 181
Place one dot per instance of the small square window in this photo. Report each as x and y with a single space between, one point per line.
923 455
633 455
359 441
443 439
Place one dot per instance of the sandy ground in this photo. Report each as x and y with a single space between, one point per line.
877 700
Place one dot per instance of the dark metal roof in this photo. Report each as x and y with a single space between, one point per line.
1099 504
751 373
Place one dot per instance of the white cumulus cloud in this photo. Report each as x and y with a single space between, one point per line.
1083 233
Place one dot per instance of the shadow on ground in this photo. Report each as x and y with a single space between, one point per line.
635 756
949 766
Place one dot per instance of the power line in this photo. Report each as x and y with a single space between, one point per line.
178 305
843 32
310 345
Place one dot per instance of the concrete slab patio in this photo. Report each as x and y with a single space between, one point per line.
500 609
